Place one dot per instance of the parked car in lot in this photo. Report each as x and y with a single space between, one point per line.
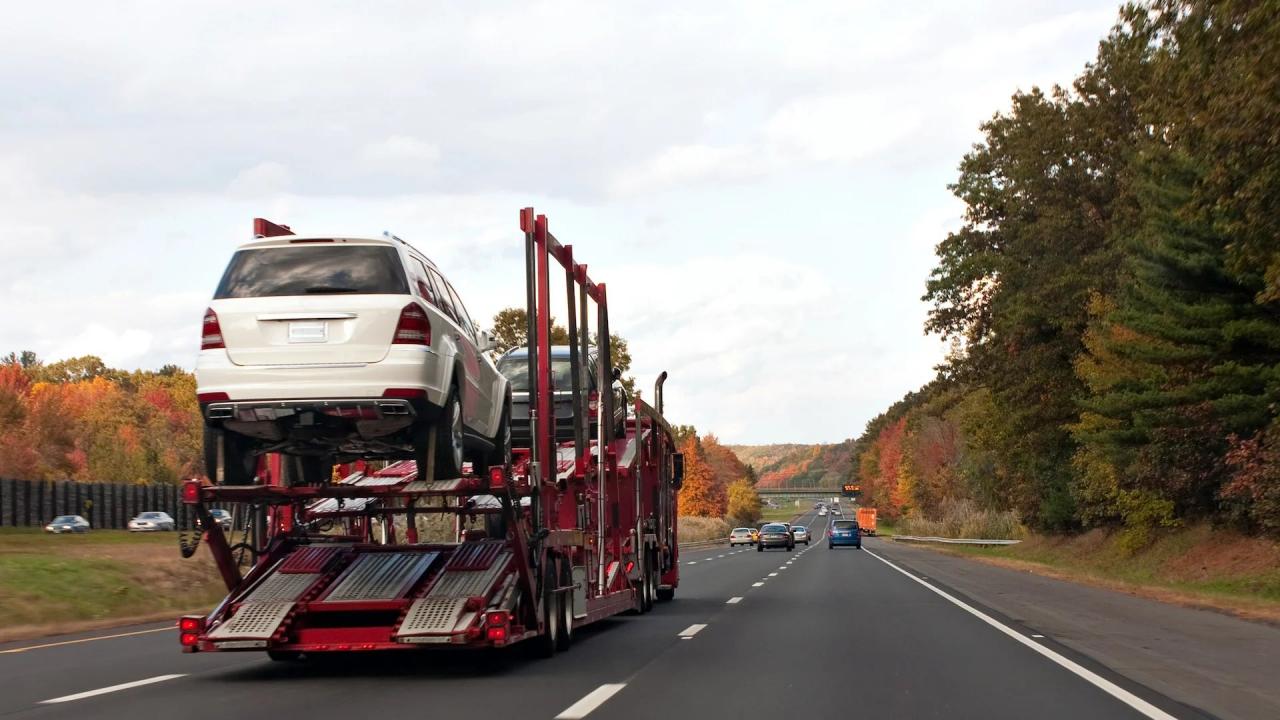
741 536
844 532
67 524
152 522
801 534
514 365
776 535
331 349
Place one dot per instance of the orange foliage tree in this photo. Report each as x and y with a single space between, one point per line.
701 494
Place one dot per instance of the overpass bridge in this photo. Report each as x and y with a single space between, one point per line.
814 493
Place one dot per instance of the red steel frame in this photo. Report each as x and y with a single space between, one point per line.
592 513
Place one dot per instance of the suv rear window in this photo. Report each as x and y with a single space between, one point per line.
844 525
516 370
314 270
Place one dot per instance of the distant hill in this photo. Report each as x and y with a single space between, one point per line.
798 466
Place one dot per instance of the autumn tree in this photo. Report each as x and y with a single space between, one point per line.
744 503
700 494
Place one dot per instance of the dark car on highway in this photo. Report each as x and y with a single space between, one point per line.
776 535
844 532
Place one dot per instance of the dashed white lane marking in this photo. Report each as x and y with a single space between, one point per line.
757 584
692 630
1037 636
693 562
719 556
111 689
773 574
1084 673
733 601
590 701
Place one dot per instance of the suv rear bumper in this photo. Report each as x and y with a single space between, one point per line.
406 367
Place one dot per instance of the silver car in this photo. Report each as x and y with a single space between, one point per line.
152 522
800 533
741 536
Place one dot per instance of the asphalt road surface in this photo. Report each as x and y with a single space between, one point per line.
815 632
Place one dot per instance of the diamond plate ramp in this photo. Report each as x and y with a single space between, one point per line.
432 615
469 583
280 586
381 576
254 620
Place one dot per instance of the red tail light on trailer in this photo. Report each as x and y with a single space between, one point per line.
211 335
191 492
413 327
497 627
189 629
497 478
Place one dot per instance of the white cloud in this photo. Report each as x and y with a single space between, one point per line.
264 179
400 154
760 184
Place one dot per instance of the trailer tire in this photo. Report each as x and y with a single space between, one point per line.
501 453
565 639
544 646
666 594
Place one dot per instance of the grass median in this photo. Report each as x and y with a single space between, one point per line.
63 583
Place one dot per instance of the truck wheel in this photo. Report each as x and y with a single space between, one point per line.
241 464
565 640
666 594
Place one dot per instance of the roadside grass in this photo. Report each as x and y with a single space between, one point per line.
780 514
964 519
1197 565
59 583
691 528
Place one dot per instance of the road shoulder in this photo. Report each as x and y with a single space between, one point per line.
1221 664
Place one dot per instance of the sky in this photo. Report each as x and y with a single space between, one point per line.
760 184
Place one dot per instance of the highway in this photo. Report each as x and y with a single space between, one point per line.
816 632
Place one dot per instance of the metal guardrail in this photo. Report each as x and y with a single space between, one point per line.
702 544
953 541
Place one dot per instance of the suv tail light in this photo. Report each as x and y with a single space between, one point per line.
211 336
413 328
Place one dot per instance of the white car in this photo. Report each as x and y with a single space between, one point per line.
800 533
152 522
822 512
741 536
331 349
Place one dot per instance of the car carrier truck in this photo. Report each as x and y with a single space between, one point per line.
560 535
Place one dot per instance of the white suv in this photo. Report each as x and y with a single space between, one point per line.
332 349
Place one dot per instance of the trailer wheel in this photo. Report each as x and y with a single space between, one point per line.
501 454
544 646
565 639
666 594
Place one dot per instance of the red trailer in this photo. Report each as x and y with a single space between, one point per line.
564 535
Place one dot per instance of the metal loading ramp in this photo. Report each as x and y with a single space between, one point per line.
380 576
253 621
471 572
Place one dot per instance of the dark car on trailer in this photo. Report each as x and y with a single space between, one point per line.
514 365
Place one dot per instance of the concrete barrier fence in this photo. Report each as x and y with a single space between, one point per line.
26 503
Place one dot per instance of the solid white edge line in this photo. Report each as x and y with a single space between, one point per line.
111 689
1082 672
733 600
590 701
693 630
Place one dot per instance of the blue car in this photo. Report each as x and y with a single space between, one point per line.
844 532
